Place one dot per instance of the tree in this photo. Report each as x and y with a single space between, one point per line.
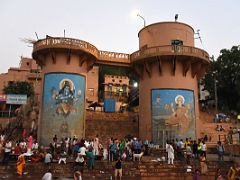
19 87
226 72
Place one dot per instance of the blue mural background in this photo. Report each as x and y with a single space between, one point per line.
63 106
173 114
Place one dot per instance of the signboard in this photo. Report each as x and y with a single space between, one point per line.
16 99
3 97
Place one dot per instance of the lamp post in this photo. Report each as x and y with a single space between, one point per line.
144 21
216 97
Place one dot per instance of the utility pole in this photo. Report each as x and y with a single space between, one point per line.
215 93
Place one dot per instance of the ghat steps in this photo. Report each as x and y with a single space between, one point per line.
103 170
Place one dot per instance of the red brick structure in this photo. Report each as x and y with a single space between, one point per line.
167 59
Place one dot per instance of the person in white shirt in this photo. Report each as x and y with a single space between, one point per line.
96 146
204 149
7 151
35 146
82 150
79 161
63 158
87 144
182 145
47 175
48 159
170 151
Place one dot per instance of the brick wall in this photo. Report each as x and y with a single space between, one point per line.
106 125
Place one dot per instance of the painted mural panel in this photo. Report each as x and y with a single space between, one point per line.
63 106
173 114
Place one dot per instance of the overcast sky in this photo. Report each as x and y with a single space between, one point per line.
109 24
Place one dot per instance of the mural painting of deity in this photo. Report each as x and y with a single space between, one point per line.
180 114
65 98
173 113
63 106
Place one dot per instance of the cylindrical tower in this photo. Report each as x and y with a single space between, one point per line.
169 67
65 63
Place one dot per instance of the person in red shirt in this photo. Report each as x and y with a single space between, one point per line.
17 149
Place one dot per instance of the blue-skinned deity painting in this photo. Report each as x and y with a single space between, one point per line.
63 106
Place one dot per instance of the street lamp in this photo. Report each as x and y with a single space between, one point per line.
135 84
144 21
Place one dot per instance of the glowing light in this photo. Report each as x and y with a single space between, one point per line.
135 13
135 84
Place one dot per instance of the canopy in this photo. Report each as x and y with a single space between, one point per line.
95 104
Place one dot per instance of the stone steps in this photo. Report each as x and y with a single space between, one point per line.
104 170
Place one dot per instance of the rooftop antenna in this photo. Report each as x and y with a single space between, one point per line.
176 17
36 35
199 37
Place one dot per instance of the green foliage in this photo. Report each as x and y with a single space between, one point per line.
226 71
19 87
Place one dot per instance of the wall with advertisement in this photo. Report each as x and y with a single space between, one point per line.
173 114
62 107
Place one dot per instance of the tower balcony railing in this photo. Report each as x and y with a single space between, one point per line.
169 50
114 56
65 43
76 44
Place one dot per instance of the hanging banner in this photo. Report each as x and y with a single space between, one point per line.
16 99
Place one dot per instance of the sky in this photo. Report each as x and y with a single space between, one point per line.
110 24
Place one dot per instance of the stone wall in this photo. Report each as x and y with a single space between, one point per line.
106 125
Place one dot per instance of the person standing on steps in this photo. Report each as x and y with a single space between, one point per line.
220 151
170 152
118 169
20 164
204 148
203 164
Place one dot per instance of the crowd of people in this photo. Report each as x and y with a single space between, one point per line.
84 152
80 151
186 149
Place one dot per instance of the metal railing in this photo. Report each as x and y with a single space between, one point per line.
69 43
169 50
114 56
5 114
58 42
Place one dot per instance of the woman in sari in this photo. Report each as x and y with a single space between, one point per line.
20 164
203 164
